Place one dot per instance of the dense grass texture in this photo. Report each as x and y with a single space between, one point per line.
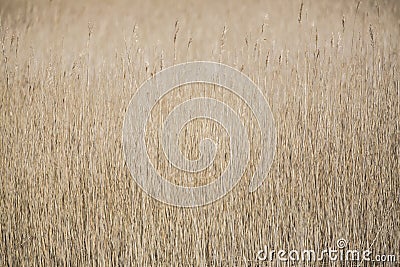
329 70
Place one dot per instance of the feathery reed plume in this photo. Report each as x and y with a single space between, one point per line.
222 42
175 37
371 35
300 12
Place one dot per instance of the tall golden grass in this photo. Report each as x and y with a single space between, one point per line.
329 70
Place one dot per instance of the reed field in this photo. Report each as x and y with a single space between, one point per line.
328 69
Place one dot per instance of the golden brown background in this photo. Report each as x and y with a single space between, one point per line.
329 69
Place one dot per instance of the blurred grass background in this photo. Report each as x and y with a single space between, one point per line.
69 68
